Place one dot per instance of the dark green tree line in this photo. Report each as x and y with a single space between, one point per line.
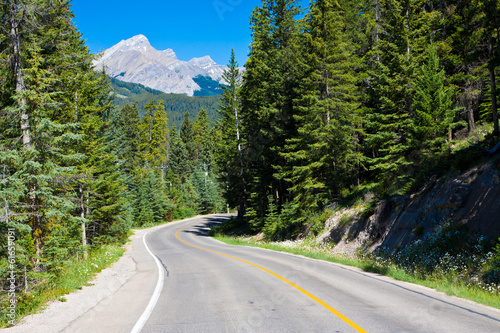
60 188
351 95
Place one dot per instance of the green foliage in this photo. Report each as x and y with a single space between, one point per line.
229 156
152 205
176 105
434 112
228 227
267 103
348 97
209 199
209 87
154 135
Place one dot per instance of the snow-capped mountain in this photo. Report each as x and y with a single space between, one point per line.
135 60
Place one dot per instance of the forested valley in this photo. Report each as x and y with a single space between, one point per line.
77 172
337 101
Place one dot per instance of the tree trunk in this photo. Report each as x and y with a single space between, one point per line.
493 86
470 119
243 208
17 67
84 231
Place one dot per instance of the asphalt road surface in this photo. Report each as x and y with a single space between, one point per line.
208 286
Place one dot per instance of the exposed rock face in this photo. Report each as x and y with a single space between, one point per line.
135 60
471 199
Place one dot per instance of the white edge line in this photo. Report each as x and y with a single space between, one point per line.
156 294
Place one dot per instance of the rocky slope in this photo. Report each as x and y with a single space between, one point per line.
135 60
471 199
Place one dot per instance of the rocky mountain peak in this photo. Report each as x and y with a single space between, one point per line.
203 62
135 60
137 39
169 53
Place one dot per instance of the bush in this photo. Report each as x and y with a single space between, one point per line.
446 253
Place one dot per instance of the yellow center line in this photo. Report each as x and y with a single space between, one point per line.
338 314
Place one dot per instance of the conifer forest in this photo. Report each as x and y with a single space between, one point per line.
336 99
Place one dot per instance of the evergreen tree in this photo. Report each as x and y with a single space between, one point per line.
36 91
464 54
434 112
394 63
154 135
267 95
54 105
187 137
229 150
324 150
208 197
201 137
153 205
125 131
180 164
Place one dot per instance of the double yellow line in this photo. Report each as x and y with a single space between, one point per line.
328 307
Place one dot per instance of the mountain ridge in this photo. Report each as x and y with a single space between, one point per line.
135 60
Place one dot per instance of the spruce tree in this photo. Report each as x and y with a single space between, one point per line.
267 94
186 135
434 111
229 150
394 65
55 106
324 150
201 138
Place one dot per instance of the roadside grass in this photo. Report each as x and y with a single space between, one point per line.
73 276
440 281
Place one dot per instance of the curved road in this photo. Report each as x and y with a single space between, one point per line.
213 287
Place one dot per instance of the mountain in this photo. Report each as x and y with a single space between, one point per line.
135 60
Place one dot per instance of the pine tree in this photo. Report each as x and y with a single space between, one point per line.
125 131
394 64
434 112
160 136
324 151
201 137
180 164
465 54
152 204
267 94
186 135
54 106
229 150
47 124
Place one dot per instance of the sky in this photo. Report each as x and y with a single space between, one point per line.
192 28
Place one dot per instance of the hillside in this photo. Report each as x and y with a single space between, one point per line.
468 202
176 104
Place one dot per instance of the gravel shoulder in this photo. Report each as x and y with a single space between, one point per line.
57 316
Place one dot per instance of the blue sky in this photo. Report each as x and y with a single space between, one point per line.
192 28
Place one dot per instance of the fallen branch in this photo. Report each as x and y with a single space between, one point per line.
489 151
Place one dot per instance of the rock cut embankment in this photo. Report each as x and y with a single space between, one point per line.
471 199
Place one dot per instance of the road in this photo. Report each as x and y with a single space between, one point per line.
209 286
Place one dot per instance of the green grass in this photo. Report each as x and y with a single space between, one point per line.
440 282
73 276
